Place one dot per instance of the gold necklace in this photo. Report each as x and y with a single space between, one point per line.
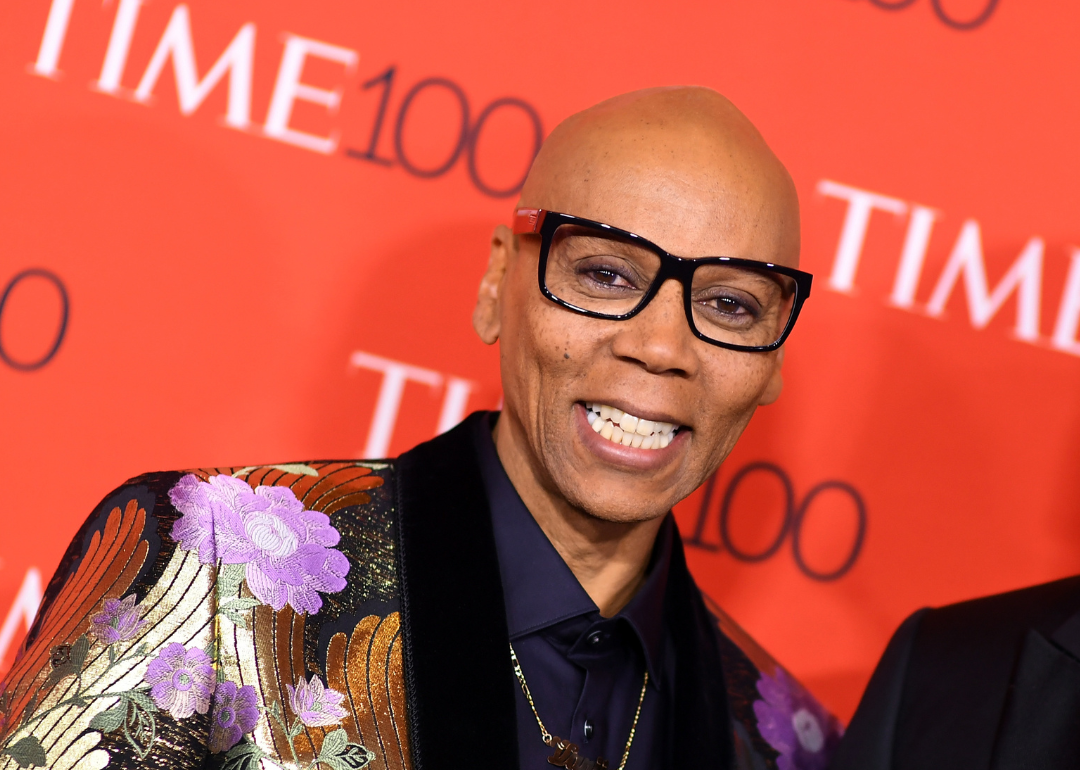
566 753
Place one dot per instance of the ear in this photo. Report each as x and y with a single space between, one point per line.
776 381
486 315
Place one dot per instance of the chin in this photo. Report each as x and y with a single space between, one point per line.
614 495
627 517
619 510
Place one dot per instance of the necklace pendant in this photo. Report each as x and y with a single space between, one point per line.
566 755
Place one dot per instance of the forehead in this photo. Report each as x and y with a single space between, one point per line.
686 189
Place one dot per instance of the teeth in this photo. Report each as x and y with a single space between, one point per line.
621 427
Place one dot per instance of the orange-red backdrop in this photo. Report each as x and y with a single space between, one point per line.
267 221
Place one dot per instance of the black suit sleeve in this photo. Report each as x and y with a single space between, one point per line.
868 742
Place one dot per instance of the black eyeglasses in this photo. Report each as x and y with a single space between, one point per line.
604 272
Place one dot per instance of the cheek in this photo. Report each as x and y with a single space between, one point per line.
735 389
537 349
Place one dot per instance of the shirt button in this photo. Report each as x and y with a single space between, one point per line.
596 637
588 729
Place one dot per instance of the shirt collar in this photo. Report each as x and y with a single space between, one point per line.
539 588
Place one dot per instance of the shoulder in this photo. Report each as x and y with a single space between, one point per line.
1024 607
1001 619
130 538
326 486
345 481
955 675
971 646
154 587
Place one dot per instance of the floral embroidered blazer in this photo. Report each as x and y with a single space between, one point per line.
334 615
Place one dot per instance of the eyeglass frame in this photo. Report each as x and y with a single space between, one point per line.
544 223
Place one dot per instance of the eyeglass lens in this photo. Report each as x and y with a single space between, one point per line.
606 274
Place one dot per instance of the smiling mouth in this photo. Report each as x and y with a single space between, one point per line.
621 427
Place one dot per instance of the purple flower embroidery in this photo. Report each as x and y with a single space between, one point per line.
316 705
182 680
118 621
795 724
235 712
285 548
195 529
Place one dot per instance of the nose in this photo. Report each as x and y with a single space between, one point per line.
659 338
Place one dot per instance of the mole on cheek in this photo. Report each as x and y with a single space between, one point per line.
566 355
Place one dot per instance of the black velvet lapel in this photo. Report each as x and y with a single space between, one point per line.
1041 724
459 682
702 729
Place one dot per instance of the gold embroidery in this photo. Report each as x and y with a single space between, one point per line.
178 608
368 668
347 672
396 686
109 567
378 682
274 658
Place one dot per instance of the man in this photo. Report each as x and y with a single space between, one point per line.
988 684
512 593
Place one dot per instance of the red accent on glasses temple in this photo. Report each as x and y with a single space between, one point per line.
528 221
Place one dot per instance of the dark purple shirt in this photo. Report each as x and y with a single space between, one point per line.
585 671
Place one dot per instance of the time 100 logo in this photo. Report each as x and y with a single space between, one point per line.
468 131
796 513
950 18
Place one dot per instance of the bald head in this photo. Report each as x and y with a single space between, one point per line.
680 166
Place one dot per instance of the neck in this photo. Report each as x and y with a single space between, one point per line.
608 558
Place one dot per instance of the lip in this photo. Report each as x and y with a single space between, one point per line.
626 456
